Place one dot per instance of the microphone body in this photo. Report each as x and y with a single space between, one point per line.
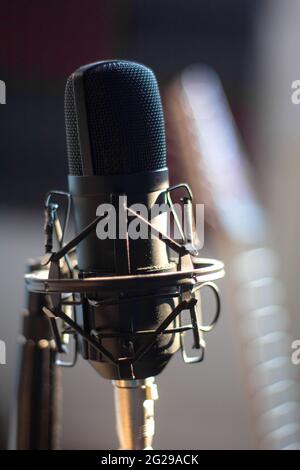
121 286
117 152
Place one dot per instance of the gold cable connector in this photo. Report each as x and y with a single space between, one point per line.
134 404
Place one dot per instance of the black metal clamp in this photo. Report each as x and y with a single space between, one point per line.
188 284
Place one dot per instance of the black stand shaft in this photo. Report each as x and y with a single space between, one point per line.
39 388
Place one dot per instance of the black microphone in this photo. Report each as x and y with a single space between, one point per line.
116 147
122 285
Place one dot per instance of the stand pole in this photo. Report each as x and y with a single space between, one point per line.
38 387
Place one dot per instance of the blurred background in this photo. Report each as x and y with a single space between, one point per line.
245 394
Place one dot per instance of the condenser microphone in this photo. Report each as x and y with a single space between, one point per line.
127 290
116 149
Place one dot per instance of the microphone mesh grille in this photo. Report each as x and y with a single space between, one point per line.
124 118
73 145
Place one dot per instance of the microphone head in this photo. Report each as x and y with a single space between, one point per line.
114 120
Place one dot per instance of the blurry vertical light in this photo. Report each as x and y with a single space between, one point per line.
204 143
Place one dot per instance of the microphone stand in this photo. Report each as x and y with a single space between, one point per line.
55 290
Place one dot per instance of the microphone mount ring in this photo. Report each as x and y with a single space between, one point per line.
186 293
